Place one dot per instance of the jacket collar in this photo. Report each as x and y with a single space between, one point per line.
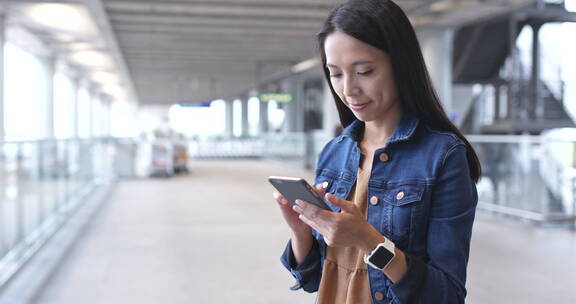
403 131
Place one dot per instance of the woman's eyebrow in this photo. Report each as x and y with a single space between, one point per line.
359 62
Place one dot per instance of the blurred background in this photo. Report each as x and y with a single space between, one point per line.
136 138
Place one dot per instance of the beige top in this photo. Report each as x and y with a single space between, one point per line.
345 275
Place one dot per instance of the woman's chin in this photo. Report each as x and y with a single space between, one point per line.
363 117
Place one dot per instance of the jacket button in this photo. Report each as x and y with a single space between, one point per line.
374 200
400 195
378 296
384 157
325 185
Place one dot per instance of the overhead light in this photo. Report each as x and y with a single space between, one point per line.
64 37
447 5
80 46
105 78
114 90
421 20
71 18
93 59
305 65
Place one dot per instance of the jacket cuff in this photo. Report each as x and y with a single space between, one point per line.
409 287
305 272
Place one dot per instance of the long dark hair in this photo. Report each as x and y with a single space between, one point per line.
382 24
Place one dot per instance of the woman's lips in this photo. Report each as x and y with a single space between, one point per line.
358 106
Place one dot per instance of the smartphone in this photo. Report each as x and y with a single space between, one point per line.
293 188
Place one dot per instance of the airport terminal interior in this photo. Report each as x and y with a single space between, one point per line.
137 137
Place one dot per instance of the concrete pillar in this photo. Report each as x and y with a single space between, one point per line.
535 90
76 125
294 121
331 120
245 126
229 119
436 47
509 102
464 94
263 121
497 102
2 40
3 242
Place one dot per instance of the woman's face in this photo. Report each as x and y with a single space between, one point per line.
362 77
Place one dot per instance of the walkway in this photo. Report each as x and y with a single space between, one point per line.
215 236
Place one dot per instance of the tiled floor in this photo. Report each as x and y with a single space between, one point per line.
215 236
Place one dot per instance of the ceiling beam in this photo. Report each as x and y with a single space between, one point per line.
213 9
157 43
166 29
193 46
279 4
165 19
208 38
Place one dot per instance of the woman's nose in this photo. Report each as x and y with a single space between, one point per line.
350 87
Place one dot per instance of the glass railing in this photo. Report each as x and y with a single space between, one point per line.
522 176
41 183
230 148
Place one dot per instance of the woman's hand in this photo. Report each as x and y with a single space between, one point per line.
344 229
299 228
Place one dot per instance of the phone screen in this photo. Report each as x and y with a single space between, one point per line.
293 188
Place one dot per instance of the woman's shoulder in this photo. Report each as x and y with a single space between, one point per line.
331 147
334 151
444 138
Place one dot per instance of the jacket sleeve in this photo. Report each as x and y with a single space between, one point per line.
440 277
307 273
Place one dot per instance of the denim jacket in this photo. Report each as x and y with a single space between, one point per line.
426 206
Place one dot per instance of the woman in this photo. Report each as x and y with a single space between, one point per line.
400 179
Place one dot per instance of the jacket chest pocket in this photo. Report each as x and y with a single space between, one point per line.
329 182
402 205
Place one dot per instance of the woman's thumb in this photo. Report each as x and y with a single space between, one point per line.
344 205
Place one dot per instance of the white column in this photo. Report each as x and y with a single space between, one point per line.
263 121
229 118
294 119
245 125
93 95
109 117
103 113
107 113
436 47
76 126
50 68
2 40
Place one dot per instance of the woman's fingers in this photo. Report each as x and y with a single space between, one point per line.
320 188
311 223
319 216
344 205
279 198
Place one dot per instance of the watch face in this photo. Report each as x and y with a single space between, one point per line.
381 257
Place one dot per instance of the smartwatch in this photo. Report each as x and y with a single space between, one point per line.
381 256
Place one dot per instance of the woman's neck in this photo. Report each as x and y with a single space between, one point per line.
377 132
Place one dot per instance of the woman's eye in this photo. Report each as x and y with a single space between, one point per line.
335 75
365 73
